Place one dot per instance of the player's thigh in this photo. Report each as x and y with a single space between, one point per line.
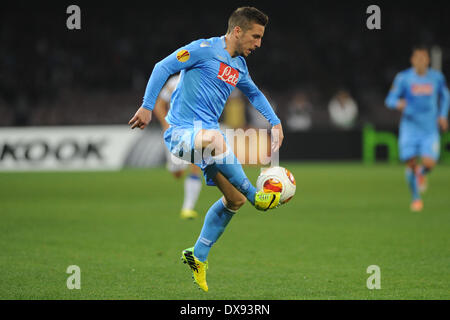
210 139
233 197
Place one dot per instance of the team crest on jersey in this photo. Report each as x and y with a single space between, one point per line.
183 55
228 74
421 89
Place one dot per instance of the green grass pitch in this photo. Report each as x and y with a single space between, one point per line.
124 232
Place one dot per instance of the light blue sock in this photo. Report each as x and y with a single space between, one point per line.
231 168
216 220
412 183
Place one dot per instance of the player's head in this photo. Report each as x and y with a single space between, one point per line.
420 58
246 27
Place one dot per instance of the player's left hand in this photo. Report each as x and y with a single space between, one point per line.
277 137
443 123
141 118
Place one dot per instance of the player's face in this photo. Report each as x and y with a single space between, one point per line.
250 40
420 59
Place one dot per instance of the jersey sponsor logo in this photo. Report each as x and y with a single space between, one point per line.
422 89
183 55
205 44
228 74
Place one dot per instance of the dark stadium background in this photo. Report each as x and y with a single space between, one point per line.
318 46
97 75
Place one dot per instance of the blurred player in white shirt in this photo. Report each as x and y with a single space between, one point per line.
193 182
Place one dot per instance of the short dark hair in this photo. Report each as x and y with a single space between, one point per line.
420 47
245 16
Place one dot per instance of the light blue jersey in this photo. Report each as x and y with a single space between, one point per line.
208 76
427 98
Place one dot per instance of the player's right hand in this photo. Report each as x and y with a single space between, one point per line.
277 137
141 118
443 123
401 104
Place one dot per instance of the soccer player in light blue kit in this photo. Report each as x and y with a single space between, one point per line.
421 94
210 70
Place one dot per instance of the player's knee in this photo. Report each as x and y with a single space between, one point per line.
235 202
212 140
195 170
428 163
178 174
217 143
240 201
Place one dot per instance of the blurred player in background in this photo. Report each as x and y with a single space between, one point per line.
210 70
421 94
193 182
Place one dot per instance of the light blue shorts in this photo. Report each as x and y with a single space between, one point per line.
180 142
411 146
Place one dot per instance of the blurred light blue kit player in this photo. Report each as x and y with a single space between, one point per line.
210 70
421 94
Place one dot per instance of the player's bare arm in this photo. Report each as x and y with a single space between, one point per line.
141 118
